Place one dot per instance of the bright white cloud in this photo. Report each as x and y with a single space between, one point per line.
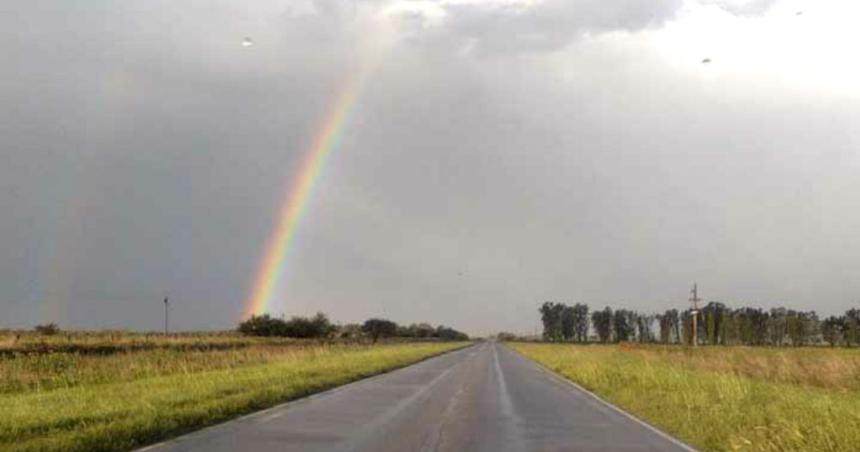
808 52
743 7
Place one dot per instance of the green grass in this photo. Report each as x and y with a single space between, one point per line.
46 371
98 414
105 342
723 405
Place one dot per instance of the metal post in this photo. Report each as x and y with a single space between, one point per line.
695 300
166 304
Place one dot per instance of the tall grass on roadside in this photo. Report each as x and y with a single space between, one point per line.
724 398
831 368
45 371
99 415
107 342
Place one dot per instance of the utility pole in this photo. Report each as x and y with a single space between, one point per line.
694 299
166 306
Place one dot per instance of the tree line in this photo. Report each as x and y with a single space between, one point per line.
717 323
320 327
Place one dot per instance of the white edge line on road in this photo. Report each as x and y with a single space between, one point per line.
596 397
298 401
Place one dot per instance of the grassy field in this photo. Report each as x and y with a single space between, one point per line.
108 342
724 398
52 401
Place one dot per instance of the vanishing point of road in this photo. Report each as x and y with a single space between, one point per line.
481 398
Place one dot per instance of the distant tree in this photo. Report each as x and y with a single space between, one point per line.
568 323
322 326
632 322
676 324
262 325
713 316
376 328
831 330
546 319
717 324
851 327
752 326
622 326
730 330
802 327
794 326
506 337
409 331
317 326
777 325
551 317
47 329
602 322
349 331
668 323
424 330
849 331
580 322
449 334
644 325
811 328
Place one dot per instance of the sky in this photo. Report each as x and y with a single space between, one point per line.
493 155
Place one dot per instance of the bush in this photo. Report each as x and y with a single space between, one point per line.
350 331
424 331
263 325
377 328
449 334
317 326
313 327
47 329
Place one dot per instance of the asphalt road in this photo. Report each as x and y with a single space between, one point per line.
483 398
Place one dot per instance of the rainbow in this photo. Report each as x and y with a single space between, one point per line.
298 197
63 251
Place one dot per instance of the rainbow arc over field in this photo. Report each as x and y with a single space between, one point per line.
300 192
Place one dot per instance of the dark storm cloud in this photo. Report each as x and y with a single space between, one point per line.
139 146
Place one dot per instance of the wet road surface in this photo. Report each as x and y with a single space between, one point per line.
482 398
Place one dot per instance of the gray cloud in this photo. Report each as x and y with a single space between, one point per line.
146 154
552 24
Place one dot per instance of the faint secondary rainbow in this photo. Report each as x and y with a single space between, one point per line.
298 196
